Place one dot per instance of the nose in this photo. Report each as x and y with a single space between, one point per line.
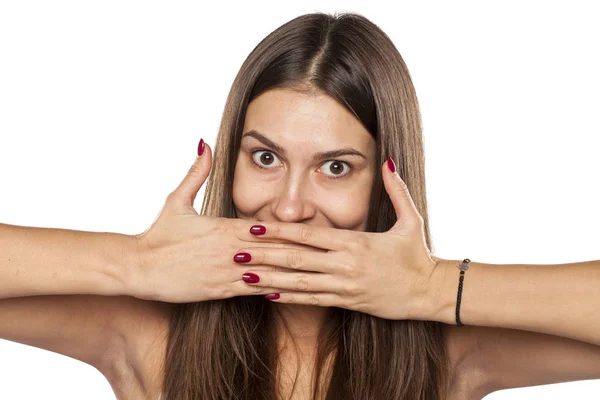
294 202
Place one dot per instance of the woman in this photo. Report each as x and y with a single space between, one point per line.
198 330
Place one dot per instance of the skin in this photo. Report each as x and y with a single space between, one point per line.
296 188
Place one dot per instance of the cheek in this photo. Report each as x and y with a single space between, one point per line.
348 211
247 193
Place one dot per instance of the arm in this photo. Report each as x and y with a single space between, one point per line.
41 261
561 300
91 329
38 262
509 358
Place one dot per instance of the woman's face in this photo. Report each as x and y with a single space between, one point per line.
279 174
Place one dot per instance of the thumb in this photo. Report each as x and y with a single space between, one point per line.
185 194
396 188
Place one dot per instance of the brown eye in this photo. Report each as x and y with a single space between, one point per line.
263 160
266 158
336 167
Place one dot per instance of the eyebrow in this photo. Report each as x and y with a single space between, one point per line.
326 155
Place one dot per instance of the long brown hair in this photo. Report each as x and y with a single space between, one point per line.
225 349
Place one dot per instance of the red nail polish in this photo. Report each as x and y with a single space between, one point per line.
391 165
249 277
258 230
201 147
242 257
272 296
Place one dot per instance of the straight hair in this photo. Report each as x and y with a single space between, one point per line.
226 349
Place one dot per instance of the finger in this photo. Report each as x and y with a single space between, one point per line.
301 282
311 235
288 245
399 194
312 299
302 260
241 288
185 194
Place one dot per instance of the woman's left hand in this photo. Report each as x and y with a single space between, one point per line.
385 274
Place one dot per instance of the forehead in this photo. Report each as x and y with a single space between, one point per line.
289 117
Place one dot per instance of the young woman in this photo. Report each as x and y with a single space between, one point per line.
316 192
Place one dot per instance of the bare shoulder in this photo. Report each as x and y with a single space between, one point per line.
468 380
143 328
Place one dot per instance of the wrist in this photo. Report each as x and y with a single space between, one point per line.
139 282
443 290
131 268
114 257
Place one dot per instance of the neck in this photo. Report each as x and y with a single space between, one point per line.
303 323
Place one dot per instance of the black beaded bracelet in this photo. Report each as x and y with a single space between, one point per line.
463 267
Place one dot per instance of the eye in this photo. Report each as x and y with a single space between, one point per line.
336 166
267 158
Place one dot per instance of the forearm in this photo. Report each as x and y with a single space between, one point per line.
44 261
558 299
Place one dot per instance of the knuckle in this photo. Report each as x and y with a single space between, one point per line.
357 305
414 226
172 201
219 226
238 227
171 197
350 271
293 259
360 243
289 298
257 255
255 289
306 234
301 283
403 187
352 290
313 299
195 170
275 230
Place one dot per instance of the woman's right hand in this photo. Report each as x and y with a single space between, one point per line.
185 257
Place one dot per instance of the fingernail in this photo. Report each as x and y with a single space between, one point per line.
201 147
391 165
272 296
258 230
249 277
242 257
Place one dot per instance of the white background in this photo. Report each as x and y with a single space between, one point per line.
102 105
